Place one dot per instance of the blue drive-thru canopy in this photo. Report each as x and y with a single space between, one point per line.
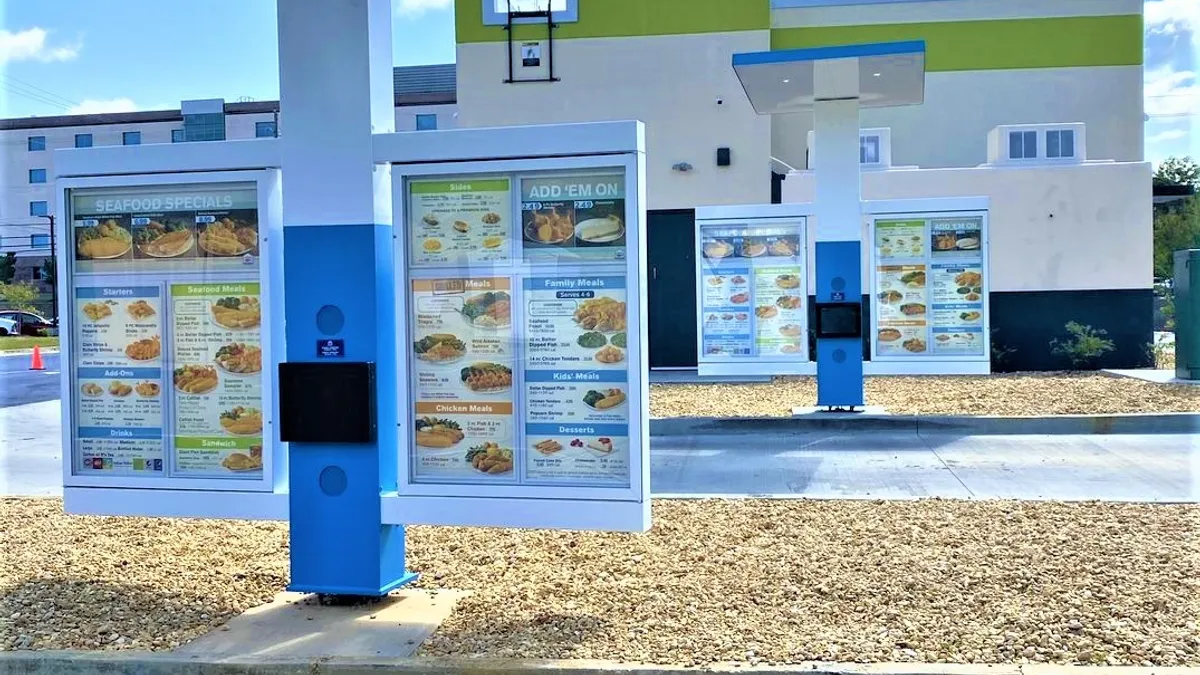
793 80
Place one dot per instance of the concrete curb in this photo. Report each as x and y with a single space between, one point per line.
146 663
1152 423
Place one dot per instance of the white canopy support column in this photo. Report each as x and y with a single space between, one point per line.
835 83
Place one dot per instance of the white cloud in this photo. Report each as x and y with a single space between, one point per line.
1169 17
30 45
418 7
95 107
1168 135
1170 92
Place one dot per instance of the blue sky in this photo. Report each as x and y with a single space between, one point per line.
64 56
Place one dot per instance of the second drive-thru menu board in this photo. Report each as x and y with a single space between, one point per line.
166 345
753 293
520 330
930 297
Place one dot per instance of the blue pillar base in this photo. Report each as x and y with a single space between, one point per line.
408 578
338 545
839 360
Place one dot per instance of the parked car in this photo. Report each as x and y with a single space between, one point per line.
8 327
28 323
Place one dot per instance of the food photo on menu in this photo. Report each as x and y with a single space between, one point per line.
228 234
103 238
603 319
162 235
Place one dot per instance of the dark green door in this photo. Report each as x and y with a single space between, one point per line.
671 240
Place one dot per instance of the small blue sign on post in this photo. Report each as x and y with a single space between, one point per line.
331 349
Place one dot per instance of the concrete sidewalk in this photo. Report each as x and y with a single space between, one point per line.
895 462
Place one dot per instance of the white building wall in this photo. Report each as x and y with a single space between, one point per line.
950 129
672 83
1051 228
406 116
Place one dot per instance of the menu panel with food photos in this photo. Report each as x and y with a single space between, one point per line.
165 286
753 300
519 333
458 221
929 291
577 380
217 378
573 217
462 370
117 355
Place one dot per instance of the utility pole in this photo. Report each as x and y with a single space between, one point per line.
54 259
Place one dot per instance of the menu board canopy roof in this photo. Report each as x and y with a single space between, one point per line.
877 75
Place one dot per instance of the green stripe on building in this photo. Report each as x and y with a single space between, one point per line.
996 44
624 18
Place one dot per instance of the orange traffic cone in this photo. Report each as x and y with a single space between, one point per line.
37 359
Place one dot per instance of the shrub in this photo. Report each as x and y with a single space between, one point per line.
1084 347
1000 351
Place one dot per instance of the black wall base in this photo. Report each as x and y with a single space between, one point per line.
1026 322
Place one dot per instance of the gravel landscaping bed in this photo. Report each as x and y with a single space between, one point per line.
744 581
1022 394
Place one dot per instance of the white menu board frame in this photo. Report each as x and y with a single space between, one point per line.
504 491
267 186
798 217
928 362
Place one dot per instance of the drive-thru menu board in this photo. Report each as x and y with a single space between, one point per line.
753 292
166 349
519 344
930 291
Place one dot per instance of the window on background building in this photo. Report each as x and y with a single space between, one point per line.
204 127
495 12
265 130
1022 145
177 135
37 143
83 140
131 138
39 241
868 150
39 208
427 122
1060 144
37 175
36 273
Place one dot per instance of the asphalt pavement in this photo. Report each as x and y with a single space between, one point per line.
19 385
815 465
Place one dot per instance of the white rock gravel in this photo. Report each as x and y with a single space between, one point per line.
715 581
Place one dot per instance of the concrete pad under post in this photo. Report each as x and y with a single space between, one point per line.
297 625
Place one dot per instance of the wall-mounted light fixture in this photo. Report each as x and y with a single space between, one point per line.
682 167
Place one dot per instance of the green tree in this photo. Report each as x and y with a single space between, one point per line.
49 272
8 267
1178 171
19 296
1175 229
